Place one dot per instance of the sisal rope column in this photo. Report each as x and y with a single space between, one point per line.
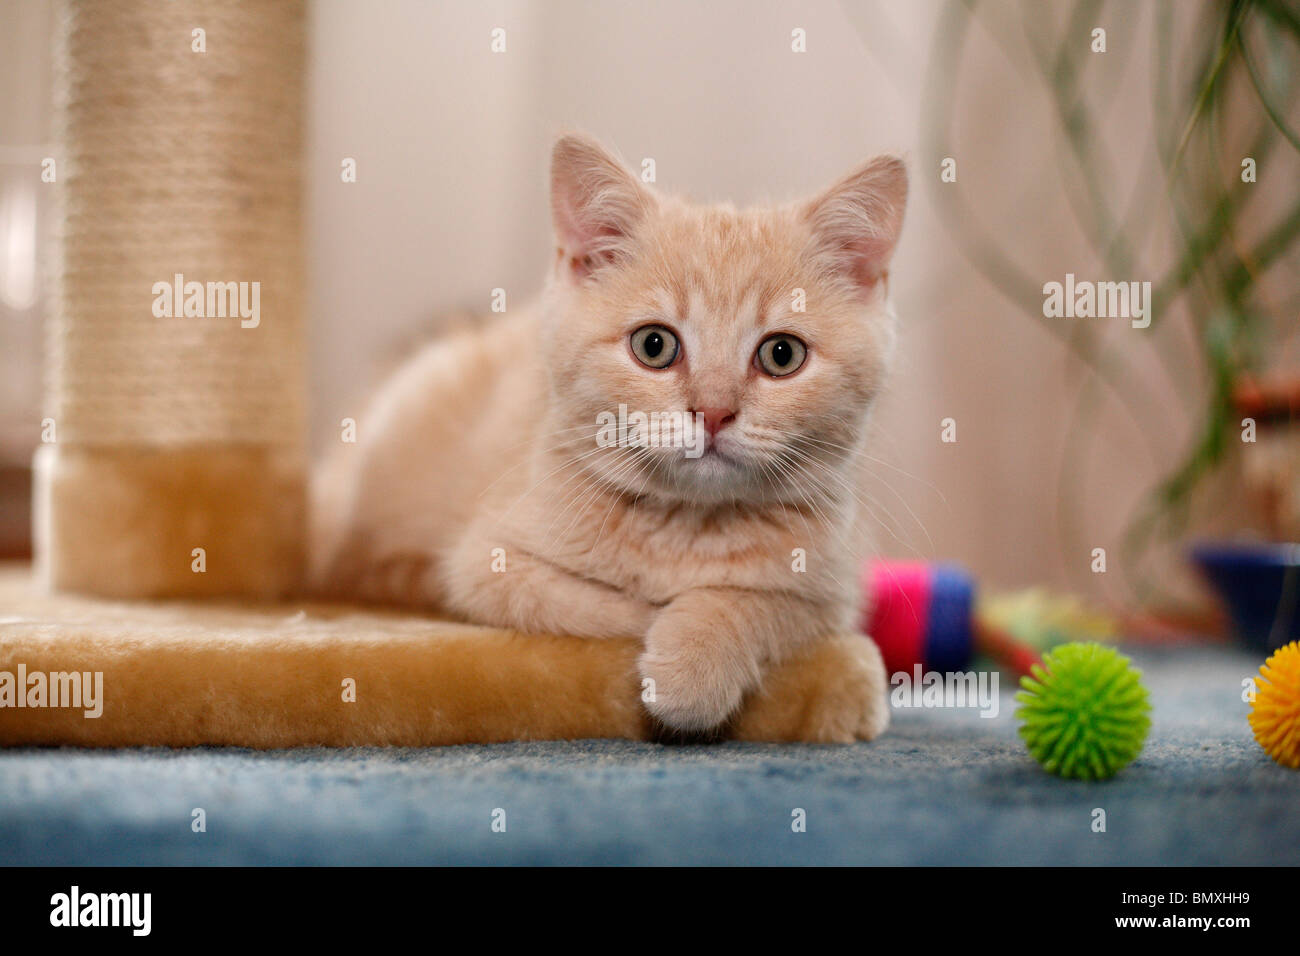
177 464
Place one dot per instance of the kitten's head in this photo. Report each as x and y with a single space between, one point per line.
770 324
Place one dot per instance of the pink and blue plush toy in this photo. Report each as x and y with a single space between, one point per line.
924 613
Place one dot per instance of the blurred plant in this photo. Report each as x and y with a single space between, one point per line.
1238 69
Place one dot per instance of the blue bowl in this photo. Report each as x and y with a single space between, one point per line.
1260 585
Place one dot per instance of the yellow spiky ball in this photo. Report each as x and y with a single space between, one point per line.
1275 718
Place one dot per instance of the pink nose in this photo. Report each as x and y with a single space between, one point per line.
715 419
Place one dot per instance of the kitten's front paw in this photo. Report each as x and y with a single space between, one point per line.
835 692
698 677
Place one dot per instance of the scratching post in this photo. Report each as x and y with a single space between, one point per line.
97 673
174 460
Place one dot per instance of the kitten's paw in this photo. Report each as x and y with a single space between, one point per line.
835 692
698 680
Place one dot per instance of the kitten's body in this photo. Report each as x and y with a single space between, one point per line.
477 486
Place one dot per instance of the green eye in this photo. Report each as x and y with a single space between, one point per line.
781 355
654 346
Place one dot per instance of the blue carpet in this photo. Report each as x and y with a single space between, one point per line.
941 787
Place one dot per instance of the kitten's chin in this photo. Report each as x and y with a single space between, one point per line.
714 467
716 477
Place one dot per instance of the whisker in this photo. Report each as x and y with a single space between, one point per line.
564 464
599 483
901 500
529 459
646 466
588 481
889 525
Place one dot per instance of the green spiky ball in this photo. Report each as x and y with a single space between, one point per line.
1084 713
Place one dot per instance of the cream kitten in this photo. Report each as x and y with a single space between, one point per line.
486 452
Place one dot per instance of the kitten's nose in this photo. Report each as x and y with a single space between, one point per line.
715 419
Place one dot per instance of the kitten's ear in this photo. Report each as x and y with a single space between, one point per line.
856 222
595 204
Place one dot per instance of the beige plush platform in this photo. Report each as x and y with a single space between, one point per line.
183 674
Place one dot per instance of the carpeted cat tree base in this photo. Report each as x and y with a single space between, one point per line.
182 674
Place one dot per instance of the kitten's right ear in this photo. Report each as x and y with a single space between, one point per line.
596 204
857 220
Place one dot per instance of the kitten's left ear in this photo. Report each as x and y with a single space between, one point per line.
856 222
596 204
